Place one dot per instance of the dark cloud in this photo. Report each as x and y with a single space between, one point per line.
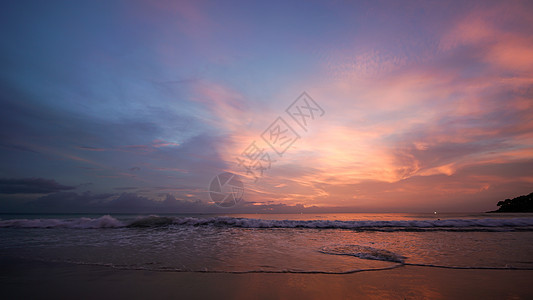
456 139
88 148
87 202
31 186
34 135
65 202
125 188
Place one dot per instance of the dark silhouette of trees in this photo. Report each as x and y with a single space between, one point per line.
518 204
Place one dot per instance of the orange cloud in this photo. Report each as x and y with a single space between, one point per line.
498 43
398 123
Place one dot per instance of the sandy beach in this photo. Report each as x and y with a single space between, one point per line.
44 280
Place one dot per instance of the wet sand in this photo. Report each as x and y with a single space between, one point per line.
42 280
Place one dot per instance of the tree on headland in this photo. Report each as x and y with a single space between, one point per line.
518 204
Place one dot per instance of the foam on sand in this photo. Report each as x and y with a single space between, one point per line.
363 252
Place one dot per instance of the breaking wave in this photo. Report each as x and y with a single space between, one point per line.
409 225
107 221
78 223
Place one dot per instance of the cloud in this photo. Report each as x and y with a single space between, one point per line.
125 188
88 148
413 92
87 202
499 35
31 186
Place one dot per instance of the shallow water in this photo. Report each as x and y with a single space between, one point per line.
329 243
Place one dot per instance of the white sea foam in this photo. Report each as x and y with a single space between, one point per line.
363 252
158 221
80 223
413 224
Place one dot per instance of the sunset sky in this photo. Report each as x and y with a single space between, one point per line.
137 105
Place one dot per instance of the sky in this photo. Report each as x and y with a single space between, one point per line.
135 106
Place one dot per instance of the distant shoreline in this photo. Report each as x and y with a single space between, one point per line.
520 204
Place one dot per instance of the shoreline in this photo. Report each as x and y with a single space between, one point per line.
47 280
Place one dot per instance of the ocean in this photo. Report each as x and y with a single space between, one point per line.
272 243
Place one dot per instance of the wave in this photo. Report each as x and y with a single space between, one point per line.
450 224
363 252
107 221
79 223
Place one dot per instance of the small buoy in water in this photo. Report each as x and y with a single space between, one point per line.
434 212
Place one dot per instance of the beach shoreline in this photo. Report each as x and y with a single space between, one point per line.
46 280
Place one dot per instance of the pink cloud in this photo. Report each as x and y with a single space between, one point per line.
417 127
498 35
